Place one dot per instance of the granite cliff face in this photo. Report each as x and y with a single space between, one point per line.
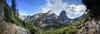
46 20
62 18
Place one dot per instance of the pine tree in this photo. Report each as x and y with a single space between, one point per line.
13 6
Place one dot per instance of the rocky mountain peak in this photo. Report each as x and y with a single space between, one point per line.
63 17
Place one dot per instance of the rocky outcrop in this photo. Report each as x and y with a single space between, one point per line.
21 30
90 27
8 28
62 18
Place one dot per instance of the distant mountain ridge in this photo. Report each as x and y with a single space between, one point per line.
51 19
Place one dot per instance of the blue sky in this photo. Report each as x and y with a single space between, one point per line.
28 7
31 7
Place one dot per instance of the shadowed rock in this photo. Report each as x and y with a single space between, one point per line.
93 6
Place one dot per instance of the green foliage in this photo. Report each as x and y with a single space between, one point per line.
67 29
10 16
30 27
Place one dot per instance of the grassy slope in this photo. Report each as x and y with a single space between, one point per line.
67 29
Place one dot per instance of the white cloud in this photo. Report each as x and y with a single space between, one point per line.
56 6
74 11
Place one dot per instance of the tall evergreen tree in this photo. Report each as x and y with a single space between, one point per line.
13 6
